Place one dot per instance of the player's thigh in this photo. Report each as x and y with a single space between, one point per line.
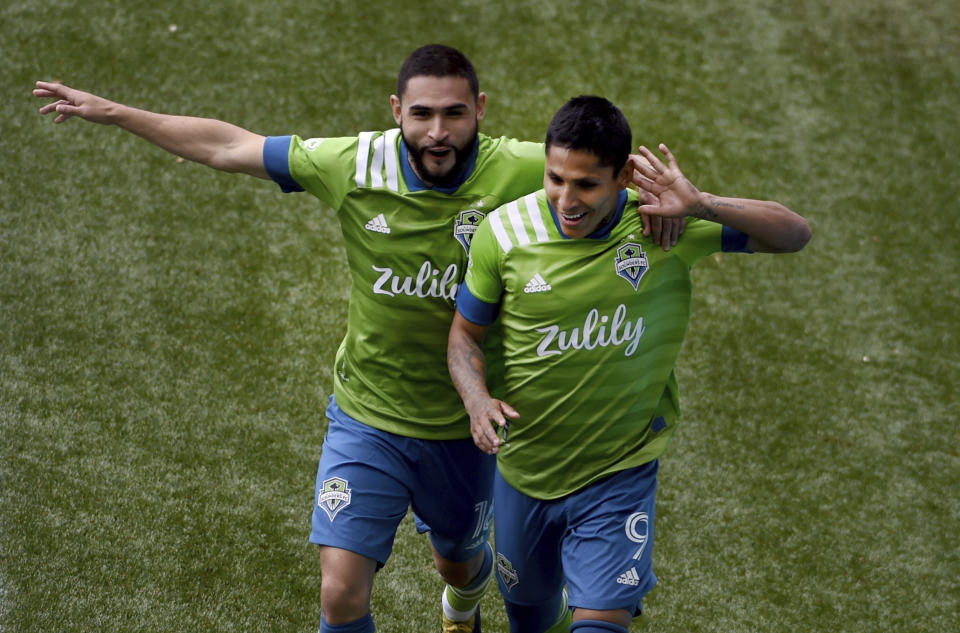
452 497
528 534
362 490
608 551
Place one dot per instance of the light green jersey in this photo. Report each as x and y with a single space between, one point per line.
591 330
406 247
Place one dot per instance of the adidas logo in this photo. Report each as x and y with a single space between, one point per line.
537 284
629 577
378 224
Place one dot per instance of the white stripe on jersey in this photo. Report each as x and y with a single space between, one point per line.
536 219
496 223
393 182
363 152
520 231
376 165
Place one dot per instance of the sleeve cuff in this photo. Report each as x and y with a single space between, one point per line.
276 150
475 310
734 241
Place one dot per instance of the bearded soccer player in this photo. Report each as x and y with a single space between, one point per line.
593 319
408 201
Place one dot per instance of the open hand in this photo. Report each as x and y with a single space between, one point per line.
70 102
670 193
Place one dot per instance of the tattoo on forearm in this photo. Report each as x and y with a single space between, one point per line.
706 213
703 212
468 366
717 202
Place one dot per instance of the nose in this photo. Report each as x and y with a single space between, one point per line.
437 130
567 199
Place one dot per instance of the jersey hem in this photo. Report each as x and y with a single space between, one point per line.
408 427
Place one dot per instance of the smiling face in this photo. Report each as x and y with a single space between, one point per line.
439 119
583 192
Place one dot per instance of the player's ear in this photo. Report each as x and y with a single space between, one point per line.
481 105
395 106
625 177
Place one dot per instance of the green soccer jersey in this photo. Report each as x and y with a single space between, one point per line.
591 330
406 247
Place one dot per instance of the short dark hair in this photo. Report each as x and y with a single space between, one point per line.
593 124
437 60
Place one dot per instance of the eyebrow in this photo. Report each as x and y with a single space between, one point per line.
456 107
591 180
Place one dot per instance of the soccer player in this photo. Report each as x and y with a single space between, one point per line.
408 201
593 319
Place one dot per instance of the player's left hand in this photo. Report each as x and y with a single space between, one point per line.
665 231
675 195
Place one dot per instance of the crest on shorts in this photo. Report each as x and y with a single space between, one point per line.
466 226
631 263
508 575
334 496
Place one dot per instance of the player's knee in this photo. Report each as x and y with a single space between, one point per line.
346 585
342 601
453 573
458 573
549 616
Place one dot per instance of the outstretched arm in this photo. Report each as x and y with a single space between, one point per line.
214 143
467 366
772 227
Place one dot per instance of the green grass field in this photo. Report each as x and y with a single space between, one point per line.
168 331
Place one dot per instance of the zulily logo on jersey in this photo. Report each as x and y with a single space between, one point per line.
428 283
597 331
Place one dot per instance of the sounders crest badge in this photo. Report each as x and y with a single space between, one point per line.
631 263
507 573
334 496
466 226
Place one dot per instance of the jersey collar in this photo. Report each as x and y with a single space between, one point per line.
602 232
415 184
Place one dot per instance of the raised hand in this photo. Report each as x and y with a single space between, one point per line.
70 102
675 195
664 231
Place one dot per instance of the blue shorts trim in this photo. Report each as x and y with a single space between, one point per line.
597 541
367 479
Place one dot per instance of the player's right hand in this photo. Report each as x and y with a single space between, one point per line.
487 418
70 102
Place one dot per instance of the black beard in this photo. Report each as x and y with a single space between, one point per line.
461 156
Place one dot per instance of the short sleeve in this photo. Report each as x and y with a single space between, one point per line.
323 167
479 296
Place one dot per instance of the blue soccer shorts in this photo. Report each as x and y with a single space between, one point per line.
597 541
368 478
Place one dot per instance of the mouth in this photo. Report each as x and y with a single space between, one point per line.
439 152
572 217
